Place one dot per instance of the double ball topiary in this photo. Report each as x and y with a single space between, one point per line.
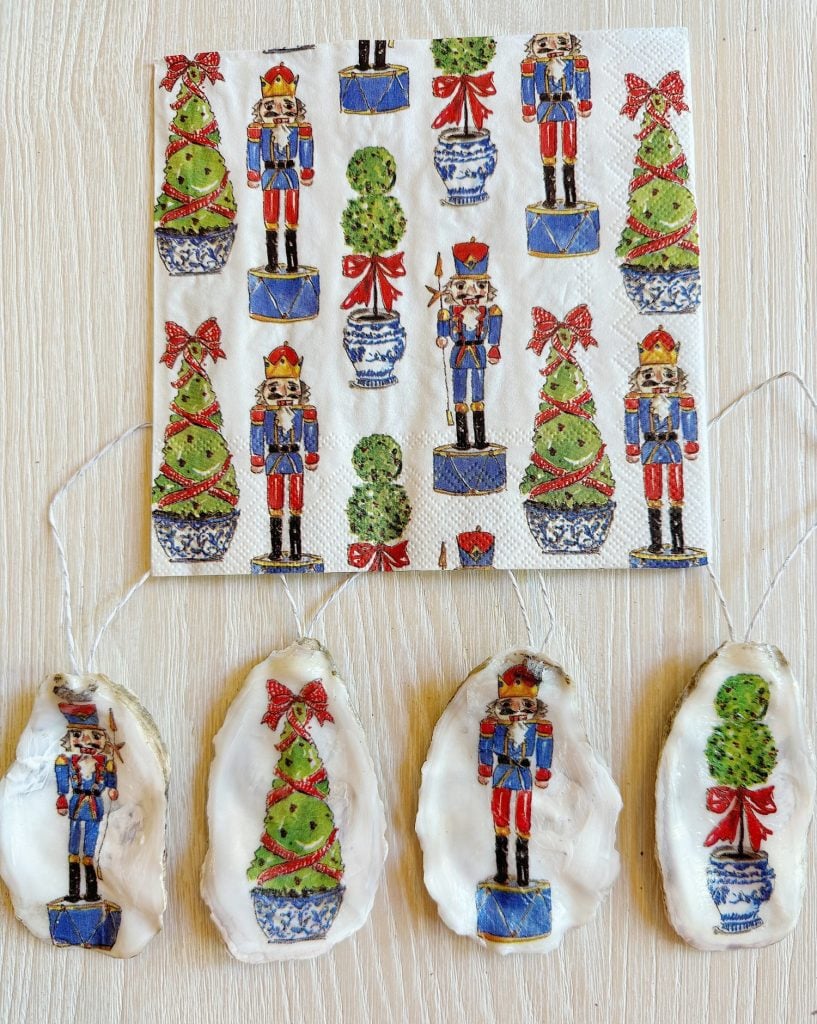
379 509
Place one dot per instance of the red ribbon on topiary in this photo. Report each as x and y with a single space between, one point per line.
207 334
464 89
379 557
379 268
639 92
281 698
735 803
178 65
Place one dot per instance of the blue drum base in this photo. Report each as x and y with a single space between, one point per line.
464 162
569 531
91 925
555 231
470 471
377 91
194 540
296 918
374 343
195 254
690 558
282 296
510 913
262 565
739 886
653 291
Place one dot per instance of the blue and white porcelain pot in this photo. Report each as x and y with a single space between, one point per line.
296 918
662 291
195 254
374 343
195 540
568 531
739 885
465 162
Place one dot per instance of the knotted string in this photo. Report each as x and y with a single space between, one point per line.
524 609
804 538
68 619
322 608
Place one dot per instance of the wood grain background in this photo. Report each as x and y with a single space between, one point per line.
75 206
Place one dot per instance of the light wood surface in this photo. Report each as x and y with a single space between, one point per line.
75 102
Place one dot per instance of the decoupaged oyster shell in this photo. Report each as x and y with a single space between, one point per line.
516 861
297 828
82 818
734 800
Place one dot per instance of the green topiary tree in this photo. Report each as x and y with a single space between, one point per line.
741 753
197 195
661 232
372 224
569 468
196 478
459 59
300 851
379 509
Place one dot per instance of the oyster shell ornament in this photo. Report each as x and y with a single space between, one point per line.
297 829
82 818
734 801
517 814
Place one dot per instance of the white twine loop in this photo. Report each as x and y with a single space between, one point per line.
322 608
524 609
805 537
68 619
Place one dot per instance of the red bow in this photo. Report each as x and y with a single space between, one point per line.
463 88
379 557
178 65
545 327
281 699
737 802
379 268
671 87
208 335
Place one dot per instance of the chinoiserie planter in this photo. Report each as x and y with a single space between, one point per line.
739 885
374 343
195 540
296 918
206 253
665 291
563 531
465 162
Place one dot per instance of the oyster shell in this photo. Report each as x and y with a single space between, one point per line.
569 863
291 766
734 799
82 813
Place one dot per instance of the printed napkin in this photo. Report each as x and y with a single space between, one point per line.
430 304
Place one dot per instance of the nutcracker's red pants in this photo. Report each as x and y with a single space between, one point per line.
549 137
501 811
276 488
654 483
272 207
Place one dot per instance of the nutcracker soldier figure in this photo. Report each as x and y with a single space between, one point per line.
373 87
85 772
514 755
280 153
470 320
555 92
661 431
283 426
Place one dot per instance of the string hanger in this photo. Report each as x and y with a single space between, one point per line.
725 412
304 634
524 609
77 667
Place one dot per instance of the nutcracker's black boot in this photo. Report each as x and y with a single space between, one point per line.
295 538
479 430
272 251
91 891
276 529
363 54
291 246
655 530
569 179
522 876
676 530
550 185
73 882
379 54
461 423
501 875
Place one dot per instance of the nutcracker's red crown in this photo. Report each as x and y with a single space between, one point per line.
282 362
659 347
518 681
279 81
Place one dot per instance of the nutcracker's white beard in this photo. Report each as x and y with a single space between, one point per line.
280 133
556 68
87 766
470 317
660 405
517 731
286 416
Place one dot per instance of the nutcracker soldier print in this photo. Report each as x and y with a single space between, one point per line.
661 431
555 93
280 152
515 753
469 319
284 440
